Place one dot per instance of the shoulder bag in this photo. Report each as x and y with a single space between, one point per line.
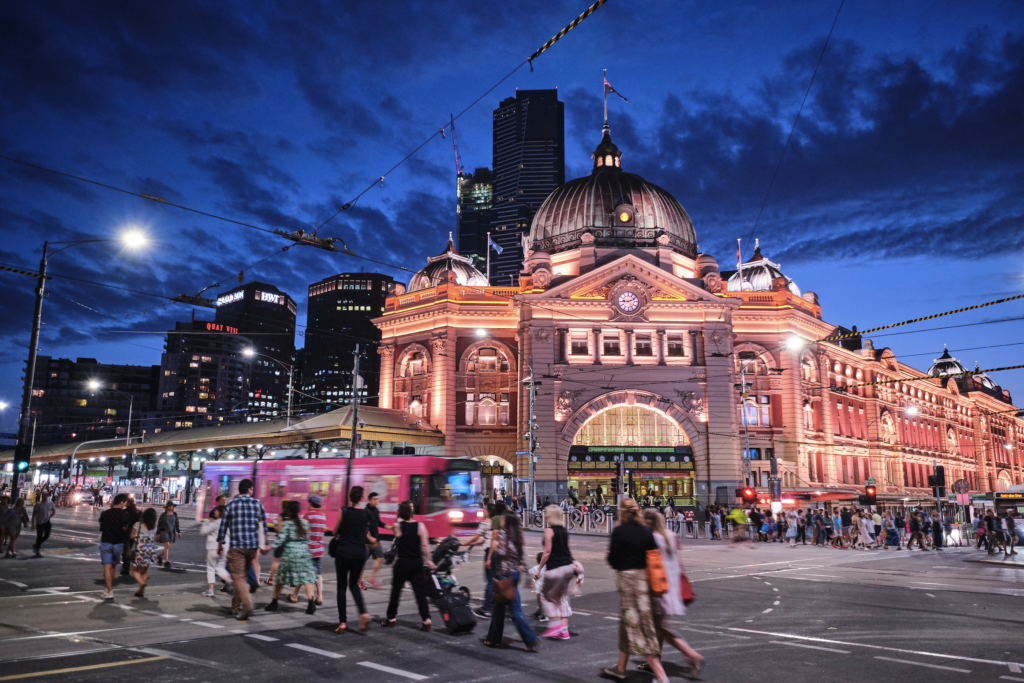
656 579
686 590
133 547
332 547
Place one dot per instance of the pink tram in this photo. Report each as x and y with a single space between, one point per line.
445 492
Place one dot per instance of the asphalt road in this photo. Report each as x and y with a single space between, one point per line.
766 612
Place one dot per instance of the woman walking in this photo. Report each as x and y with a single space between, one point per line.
296 565
168 531
671 603
13 520
281 514
793 528
147 550
413 553
506 561
215 564
353 534
627 555
891 537
559 575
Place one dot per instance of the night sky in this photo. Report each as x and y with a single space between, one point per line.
901 194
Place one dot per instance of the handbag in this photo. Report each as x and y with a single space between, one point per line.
504 590
133 545
391 553
686 590
656 578
332 547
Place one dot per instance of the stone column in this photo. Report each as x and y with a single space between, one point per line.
629 347
688 345
567 346
562 355
692 337
661 347
596 354
387 375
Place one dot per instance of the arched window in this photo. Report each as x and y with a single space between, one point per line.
635 425
416 407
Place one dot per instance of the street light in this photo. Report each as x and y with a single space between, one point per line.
291 369
94 385
23 447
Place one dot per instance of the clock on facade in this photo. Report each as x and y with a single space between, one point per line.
628 302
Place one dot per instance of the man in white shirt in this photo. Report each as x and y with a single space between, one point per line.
42 513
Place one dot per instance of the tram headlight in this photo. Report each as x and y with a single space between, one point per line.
455 515
479 514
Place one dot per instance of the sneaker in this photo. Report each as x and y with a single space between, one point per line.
208 594
226 589
552 632
542 618
482 613
562 635
167 565
362 585
109 595
612 672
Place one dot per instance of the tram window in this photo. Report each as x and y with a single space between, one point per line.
454 490
277 489
320 488
416 486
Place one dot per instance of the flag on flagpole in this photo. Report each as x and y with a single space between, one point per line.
608 88
494 245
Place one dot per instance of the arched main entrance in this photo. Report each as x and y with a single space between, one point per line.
646 433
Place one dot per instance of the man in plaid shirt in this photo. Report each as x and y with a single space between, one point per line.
245 522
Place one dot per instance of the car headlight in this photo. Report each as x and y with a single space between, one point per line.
455 515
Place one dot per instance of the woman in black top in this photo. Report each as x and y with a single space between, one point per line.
559 574
413 553
353 533
628 557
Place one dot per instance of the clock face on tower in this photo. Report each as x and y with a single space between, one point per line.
628 302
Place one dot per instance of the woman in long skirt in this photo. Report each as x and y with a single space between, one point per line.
561 574
627 555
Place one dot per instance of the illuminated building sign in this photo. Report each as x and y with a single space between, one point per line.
269 297
217 327
230 298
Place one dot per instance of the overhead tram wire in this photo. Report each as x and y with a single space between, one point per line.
440 131
795 122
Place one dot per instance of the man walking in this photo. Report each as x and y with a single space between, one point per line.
376 551
42 512
916 524
113 532
246 522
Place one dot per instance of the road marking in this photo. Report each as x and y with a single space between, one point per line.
168 616
581 614
1014 668
766 583
830 576
775 589
257 636
930 666
203 623
49 588
767 611
316 651
397 672
810 647
238 630
62 635
929 595
79 668
176 618
873 647
928 583
125 607
776 602
613 618
16 583
1011 678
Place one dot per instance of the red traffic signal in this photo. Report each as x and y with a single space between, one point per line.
748 494
869 495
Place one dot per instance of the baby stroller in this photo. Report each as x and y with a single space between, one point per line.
451 599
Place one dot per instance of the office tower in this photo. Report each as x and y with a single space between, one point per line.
475 215
339 314
265 315
529 163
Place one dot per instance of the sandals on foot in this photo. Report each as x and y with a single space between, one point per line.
341 628
364 622
389 623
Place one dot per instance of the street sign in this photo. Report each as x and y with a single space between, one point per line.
962 486
871 481
522 452
21 480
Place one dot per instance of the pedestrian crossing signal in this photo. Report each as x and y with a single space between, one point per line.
870 497
748 494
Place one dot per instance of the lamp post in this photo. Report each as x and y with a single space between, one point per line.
291 371
23 449
96 386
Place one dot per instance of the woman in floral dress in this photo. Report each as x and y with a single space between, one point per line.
296 566
147 550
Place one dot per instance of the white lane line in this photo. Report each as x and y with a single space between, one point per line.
929 595
810 647
930 666
830 576
582 614
238 630
17 583
766 583
613 618
397 672
1011 678
1014 668
169 616
767 611
182 619
203 623
872 647
775 589
257 636
125 607
316 651
928 583
776 602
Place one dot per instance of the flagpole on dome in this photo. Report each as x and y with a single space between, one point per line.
739 262
604 87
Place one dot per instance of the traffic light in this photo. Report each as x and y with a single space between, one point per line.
616 486
749 495
869 497
939 478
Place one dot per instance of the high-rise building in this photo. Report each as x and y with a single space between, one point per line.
339 315
475 215
204 378
265 315
66 408
529 163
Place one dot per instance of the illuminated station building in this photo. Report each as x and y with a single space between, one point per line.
637 342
